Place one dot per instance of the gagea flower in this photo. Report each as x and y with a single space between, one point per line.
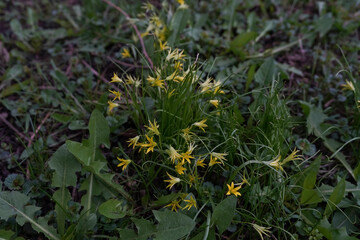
261 230
173 154
233 190
150 145
123 163
125 53
201 124
115 78
174 205
133 141
215 103
173 180
112 105
179 168
117 94
191 202
154 127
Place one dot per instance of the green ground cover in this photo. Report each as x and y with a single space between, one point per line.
179 119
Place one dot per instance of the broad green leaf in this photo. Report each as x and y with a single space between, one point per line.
224 213
324 24
113 209
6 234
14 72
210 236
127 234
250 77
13 88
325 228
85 224
145 228
335 198
312 171
310 196
178 23
81 152
237 45
172 226
315 117
163 200
99 130
61 117
62 197
265 74
16 27
15 203
65 167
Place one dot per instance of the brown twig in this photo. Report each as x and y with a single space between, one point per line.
38 129
3 118
125 63
98 75
136 30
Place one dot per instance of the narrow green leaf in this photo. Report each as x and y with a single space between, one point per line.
224 213
172 226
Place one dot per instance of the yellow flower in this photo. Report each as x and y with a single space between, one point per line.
220 156
174 205
172 181
348 86
207 85
117 95
123 163
176 55
149 145
112 105
163 46
132 81
244 180
186 155
115 78
233 190
173 154
276 163
182 3
179 168
156 82
171 76
133 141
148 7
200 163
154 127
261 230
215 103
191 202
186 133
125 53
201 124
191 179
213 161
178 65
217 85
292 157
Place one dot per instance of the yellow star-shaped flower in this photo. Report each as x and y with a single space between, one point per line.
123 162
233 190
